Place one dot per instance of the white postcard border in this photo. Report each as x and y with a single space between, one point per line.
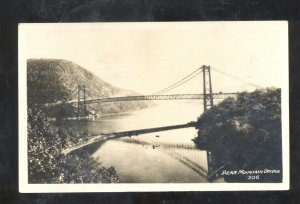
24 187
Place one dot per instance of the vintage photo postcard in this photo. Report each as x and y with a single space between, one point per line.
154 106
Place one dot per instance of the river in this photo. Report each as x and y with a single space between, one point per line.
161 157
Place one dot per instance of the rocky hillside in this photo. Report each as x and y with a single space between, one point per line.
244 134
51 80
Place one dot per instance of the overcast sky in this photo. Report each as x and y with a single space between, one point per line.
146 57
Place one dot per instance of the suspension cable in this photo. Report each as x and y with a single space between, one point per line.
235 77
180 82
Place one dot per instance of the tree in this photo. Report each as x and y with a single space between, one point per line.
46 164
244 133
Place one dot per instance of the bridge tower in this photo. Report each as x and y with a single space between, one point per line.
81 103
207 103
207 88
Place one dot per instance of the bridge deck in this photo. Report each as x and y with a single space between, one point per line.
115 135
148 97
150 130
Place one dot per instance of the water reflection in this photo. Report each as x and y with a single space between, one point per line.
172 149
161 157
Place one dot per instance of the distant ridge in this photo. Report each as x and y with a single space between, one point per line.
51 80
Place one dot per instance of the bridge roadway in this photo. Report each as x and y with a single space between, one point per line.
150 130
115 135
154 97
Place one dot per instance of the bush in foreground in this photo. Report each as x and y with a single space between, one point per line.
244 133
46 164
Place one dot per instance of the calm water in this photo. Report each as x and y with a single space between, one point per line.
160 157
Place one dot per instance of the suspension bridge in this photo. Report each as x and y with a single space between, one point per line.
84 97
81 96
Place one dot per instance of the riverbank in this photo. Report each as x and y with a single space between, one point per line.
90 117
47 164
244 134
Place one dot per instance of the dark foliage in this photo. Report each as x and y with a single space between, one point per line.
46 164
244 133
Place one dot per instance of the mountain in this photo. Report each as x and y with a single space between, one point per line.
52 80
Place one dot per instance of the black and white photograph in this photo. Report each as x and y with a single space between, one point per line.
169 106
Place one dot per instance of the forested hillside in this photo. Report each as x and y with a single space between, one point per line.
244 134
52 80
47 164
